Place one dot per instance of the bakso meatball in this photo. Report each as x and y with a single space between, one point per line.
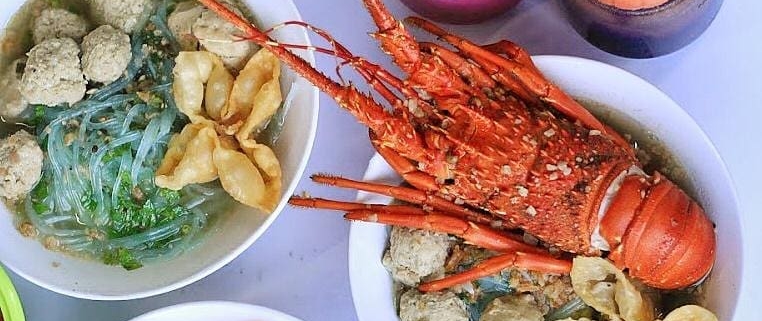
513 307
121 14
20 165
12 104
52 75
438 306
58 23
106 52
222 38
415 254
181 21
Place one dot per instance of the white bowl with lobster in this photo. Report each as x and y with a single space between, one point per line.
621 93
226 238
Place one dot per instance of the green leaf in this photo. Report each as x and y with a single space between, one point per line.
38 115
128 216
116 152
88 202
40 207
169 195
38 195
40 191
123 257
156 102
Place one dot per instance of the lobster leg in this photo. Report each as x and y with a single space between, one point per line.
476 117
513 52
351 206
475 74
531 80
518 65
410 195
488 97
492 266
477 234
394 39
425 72
402 166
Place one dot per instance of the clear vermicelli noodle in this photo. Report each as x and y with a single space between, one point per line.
97 195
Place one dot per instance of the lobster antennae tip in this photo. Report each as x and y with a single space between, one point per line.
322 177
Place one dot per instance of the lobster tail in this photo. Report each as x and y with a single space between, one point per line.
659 233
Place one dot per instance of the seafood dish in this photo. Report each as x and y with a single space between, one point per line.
521 204
132 124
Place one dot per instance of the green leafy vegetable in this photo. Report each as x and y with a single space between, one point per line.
38 194
155 101
37 116
88 202
131 215
123 257
116 153
169 195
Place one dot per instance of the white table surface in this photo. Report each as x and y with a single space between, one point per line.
300 265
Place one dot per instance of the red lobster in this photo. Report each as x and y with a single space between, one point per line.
488 145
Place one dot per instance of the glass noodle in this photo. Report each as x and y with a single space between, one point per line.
97 195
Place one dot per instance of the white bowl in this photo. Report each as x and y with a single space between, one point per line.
624 92
229 236
214 310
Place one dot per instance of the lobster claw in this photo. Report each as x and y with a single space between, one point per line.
659 233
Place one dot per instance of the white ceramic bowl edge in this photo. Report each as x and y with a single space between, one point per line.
215 310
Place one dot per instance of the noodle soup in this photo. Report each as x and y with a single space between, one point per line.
93 145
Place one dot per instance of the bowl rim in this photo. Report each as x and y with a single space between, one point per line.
255 310
229 257
356 228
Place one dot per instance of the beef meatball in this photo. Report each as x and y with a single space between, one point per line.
12 104
222 38
438 306
53 75
121 14
58 23
106 52
415 254
20 165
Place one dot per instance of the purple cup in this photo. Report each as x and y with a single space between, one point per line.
460 11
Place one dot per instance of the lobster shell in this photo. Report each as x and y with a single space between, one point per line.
481 126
